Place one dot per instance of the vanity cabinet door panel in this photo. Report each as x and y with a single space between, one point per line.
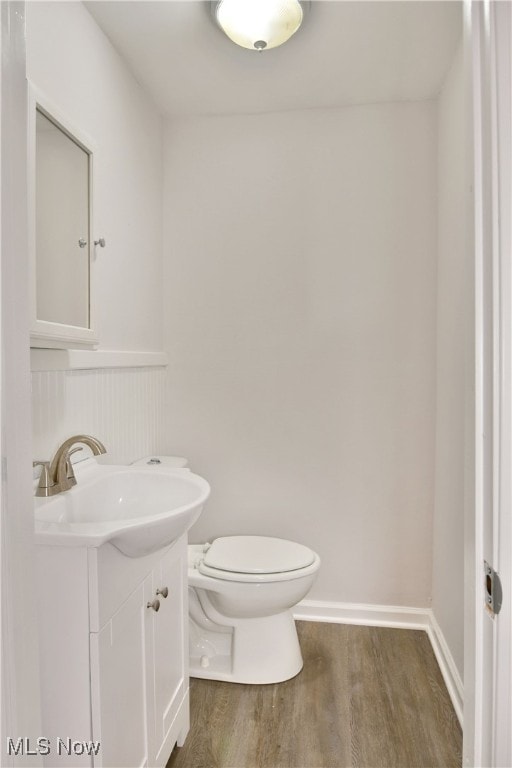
171 677
118 679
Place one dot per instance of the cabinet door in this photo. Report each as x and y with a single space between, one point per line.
118 680
169 632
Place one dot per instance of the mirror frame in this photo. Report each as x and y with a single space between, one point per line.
44 333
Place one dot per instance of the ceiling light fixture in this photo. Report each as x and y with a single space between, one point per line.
259 24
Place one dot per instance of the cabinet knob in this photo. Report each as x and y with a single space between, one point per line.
164 591
155 605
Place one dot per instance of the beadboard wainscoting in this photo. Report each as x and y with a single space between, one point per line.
123 407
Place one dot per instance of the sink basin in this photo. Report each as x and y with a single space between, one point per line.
137 509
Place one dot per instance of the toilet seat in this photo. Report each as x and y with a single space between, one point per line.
256 559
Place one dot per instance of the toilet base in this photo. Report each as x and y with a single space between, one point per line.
255 651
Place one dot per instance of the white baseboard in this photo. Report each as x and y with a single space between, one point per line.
362 613
397 617
447 666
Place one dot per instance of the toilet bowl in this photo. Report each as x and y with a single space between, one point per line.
241 591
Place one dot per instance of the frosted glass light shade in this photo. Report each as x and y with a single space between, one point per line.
259 24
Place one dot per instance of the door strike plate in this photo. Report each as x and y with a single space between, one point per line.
493 590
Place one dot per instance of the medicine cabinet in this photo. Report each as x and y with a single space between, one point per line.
60 166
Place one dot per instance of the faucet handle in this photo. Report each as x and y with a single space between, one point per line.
41 464
46 481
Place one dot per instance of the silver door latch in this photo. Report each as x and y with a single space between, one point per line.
493 590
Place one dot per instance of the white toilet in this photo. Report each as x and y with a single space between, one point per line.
241 591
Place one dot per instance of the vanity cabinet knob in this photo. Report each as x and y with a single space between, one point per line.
164 591
155 605
82 242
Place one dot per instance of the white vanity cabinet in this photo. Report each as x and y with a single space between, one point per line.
115 669
118 680
167 653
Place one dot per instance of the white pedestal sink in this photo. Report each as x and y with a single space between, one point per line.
136 509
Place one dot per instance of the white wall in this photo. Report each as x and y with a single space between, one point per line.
300 300
448 570
73 63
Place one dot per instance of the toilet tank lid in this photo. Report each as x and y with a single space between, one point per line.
165 461
257 554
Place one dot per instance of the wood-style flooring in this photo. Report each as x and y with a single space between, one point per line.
367 697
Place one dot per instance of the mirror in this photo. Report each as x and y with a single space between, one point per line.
62 226
61 171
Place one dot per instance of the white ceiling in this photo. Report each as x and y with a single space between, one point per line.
347 51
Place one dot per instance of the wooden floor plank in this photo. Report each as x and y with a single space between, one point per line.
367 698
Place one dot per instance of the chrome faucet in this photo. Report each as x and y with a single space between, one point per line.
58 475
